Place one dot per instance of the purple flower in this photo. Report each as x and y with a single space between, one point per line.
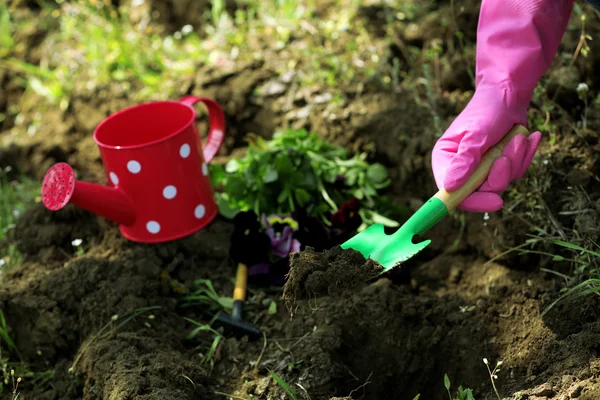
281 232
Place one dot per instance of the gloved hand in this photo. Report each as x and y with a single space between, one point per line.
516 43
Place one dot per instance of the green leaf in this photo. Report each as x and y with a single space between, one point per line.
417 397
446 382
225 209
380 219
195 331
282 196
369 190
575 247
595 283
226 302
330 175
558 258
283 164
271 175
377 173
302 196
232 166
217 174
350 177
272 308
284 385
236 186
382 185
4 332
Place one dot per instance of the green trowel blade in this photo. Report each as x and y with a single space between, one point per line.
394 249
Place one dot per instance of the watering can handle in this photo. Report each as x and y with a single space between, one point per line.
453 199
216 129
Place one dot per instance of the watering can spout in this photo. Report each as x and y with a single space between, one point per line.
60 188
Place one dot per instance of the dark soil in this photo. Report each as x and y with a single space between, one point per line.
330 272
114 314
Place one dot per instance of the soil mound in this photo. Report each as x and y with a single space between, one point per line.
330 272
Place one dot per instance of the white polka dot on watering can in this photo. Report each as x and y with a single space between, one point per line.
199 211
134 167
153 227
169 192
184 150
114 178
204 169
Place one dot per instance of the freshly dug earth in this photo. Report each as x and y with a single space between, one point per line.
380 341
330 272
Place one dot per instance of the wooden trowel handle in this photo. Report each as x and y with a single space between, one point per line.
453 199
241 283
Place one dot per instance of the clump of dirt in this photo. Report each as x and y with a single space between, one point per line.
330 272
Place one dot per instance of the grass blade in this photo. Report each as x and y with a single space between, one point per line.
575 289
575 247
284 385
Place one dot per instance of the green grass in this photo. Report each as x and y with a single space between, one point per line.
6 29
15 197
92 43
203 293
96 44
209 351
461 393
286 387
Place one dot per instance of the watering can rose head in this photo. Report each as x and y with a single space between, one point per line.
281 232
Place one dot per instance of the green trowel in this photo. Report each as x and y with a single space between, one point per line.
392 250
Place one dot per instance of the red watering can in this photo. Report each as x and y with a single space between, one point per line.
159 189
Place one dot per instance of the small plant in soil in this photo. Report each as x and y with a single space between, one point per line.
203 292
297 169
493 375
461 393
211 352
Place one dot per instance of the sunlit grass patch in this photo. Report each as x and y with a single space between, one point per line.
96 43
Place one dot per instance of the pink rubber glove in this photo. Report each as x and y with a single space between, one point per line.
516 43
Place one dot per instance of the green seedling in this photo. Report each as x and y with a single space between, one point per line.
493 375
461 393
585 288
209 357
204 293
